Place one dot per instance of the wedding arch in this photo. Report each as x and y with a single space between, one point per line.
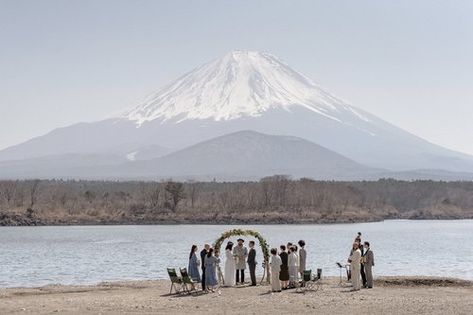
262 242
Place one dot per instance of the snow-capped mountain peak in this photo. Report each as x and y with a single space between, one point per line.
241 83
244 90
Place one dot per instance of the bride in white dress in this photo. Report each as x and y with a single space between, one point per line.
230 266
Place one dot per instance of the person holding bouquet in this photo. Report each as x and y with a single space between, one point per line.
355 266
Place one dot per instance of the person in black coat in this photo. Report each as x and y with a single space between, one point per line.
284 273
203 253
252 262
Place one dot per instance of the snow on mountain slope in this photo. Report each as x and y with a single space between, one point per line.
242 83
244 90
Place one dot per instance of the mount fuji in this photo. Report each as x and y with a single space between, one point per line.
243 90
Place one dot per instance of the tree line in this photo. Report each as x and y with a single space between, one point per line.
275 199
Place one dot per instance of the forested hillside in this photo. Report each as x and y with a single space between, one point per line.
276 199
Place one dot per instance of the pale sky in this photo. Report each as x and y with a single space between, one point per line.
408 62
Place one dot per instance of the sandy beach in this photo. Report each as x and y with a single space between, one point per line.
391 295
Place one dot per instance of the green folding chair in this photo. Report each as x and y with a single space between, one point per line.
309 281
176 281
189 285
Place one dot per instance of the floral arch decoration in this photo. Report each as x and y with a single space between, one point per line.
239 232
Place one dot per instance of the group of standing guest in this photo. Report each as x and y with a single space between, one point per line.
287 265
208 263
237 257
361 262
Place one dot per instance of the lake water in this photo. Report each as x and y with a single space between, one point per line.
34 256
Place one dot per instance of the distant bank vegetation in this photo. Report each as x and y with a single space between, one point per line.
276 199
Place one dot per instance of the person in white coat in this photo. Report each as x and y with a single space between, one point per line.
275 265
298 261
293 269
230 266
355 265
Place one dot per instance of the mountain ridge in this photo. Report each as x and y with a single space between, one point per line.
245 91
253 155
239 156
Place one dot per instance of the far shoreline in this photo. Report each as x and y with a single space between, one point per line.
229 223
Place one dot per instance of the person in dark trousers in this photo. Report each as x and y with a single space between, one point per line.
252 262
241 254
368 262
362 270
284 273
203 253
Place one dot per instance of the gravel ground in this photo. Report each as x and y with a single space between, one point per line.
391 295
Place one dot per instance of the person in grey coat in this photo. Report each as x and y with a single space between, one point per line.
194 264
241 253
368 262
302 258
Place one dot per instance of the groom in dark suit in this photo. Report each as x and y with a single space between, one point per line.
252 262
203 253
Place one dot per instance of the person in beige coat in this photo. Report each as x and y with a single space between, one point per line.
368 262
275 265
355 267
240 253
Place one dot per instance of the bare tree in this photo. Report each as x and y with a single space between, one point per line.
281 185
33 192
266 189
7 190
193 192
89 196
176 193
154 195
224 196
275 186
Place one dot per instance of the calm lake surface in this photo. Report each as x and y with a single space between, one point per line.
35 256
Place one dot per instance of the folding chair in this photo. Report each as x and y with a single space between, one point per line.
176 281
309 281
189 285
